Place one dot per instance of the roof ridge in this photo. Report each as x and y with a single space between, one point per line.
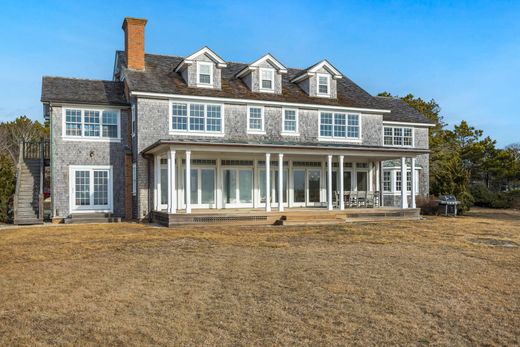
81 79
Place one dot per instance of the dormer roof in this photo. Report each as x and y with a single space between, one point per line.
204 50
324 64
256 64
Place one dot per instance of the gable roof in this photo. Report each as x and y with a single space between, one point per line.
204 50
160 77
266 58
314 68
83 91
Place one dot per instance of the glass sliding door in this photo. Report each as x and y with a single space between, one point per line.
299 187
245 186
314 186
237 187
207 183
273 186
229 187
202 187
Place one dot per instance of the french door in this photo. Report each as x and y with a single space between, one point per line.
306 187
202 187
91 189
273 182
237 187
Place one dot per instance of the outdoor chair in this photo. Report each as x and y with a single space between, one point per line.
362 199
369 202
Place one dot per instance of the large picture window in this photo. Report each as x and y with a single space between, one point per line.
398 136
91 123
196 118
339 125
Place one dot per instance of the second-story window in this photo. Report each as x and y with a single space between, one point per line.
204 73
323 84
267 79
91 123
339 125
255 119
290 121
196 118
397 136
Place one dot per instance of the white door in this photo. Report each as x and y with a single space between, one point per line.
202 187
91 188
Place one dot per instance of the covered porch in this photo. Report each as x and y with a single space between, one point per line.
244 179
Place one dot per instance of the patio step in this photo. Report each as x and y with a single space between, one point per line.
311 221
91 218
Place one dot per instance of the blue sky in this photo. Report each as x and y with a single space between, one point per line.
464 54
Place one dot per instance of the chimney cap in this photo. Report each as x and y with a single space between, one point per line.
132 20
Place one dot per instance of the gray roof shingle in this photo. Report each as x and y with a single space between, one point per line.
159 77
82 91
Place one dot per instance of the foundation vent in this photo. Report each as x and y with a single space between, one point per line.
216 219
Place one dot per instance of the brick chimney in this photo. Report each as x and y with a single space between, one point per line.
134 42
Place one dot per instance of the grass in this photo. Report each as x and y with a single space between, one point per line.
432 282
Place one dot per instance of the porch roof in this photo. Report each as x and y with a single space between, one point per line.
347 149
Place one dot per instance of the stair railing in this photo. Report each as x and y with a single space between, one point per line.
18 179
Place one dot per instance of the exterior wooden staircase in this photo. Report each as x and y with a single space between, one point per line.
28 199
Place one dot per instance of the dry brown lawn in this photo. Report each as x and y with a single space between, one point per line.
439 281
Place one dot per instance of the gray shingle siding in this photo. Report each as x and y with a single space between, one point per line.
66 153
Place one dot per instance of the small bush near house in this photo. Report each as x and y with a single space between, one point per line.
428 204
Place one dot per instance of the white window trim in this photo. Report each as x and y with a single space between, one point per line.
192 132
256 131
393 180
72 182
398 127
337 138
271 70
199 83
296 132
82 137
318 84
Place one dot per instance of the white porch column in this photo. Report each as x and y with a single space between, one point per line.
172 196
280 182
413 192
329 182
157 179
188 181
268 182
404 199
219 184
382 184
341 184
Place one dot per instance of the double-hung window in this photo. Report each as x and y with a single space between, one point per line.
339 126
398 181
290 121
91 123
196 118
397 136
323 82
205 73
255 119
267 79
387 181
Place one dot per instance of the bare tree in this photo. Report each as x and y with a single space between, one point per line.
12 134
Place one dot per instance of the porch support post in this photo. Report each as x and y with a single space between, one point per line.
280 182
172 196
188 181
268 182
157 185
404 198
341 184
413 192
329 182
382 184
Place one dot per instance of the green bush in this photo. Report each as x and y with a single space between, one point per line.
487 198
7 188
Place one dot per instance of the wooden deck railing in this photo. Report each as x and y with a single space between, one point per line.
36 150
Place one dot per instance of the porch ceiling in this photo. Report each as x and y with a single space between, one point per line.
348 150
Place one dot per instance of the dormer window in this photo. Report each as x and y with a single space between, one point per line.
267 79
204 73
323 84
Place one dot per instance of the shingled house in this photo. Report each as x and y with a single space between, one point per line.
171 135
